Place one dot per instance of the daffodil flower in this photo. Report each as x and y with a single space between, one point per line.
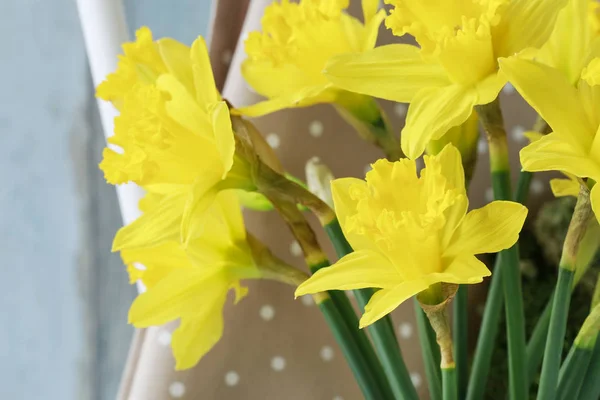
286 59
173 137
407 240
454 69
571 111
191 284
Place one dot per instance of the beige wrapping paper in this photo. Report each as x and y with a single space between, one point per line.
275 347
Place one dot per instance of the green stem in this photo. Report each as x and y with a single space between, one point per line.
492 120
348 315
364 376
382 332
430 352
487 336
460 325
573 371
562 296
537 342
590 389
449 383
556 335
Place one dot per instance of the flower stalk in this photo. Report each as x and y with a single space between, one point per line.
493 122
562 296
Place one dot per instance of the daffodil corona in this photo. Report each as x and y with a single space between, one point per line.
455 67
407 240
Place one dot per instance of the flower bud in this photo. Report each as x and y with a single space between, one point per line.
318 178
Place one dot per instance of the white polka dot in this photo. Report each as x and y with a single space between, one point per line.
295 249
508 88
326 353
177 390
405 330
400 109
338 398
316 129
368 168
517 133
226 56
278 363
273 140
489 194
537 186
232 378
482 146
307 300
164 337
267 312
415 377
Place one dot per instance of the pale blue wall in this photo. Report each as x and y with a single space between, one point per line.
45 108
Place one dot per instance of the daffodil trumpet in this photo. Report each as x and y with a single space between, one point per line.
562 296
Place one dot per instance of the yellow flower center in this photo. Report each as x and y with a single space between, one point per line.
305 34
404 214
456 32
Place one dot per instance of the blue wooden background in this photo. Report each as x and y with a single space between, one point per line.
63 296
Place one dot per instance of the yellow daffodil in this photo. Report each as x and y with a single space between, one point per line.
454 69
286 59
407 240
574 40
192 284
174 136
571 111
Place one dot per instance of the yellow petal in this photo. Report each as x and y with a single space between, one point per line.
552 153
272 81
177 296
345 207
595 200
201 198
155 226
489 229
533 136
385 301
432 113
371 29
361 269
591 73
568 45
204 81
223 133
465 270
369 9
176 57
305 97
393 72
196 336
553 97
158 261
525 24
183 108
452 167
565 187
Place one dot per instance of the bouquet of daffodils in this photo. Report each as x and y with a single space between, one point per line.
401 232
